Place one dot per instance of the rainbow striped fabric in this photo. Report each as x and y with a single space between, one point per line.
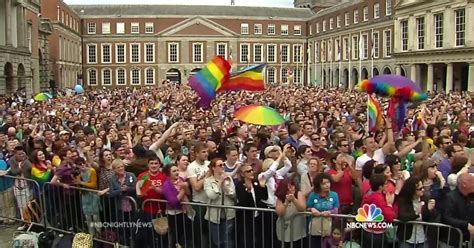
374 114
209 79
418 121
251 78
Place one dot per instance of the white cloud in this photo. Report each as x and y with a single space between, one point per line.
273 3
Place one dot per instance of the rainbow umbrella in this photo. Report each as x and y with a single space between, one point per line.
41 97
259 115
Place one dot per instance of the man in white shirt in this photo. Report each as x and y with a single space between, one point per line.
198 171
375 153
307 131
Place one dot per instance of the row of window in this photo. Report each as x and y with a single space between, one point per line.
438 22
357 44
107 76
355 17
120 76
197 53
69 50
120 28
68 20
271 29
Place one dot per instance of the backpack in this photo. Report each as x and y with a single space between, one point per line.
26 240
32 212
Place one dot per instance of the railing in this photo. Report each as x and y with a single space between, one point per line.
119 220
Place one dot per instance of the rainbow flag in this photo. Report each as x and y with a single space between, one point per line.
250 79
374 114
418 121
209 79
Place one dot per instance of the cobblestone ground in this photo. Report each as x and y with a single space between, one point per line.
6 235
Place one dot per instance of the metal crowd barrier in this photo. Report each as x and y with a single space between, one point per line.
119 220
20 201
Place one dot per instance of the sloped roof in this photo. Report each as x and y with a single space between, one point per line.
89 11
342 5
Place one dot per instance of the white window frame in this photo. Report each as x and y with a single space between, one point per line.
310 29
288 55
117 53
284 29
246 58
255 60
297 76
404 35
149 27
346 19
201 55
146 52
139 76
365 43
271 27
316 51
274 60
257 29
356 16
376 11
271 70
460 28
338 21
387 43
388 7
124 76
120 28
104 61
170 44
136 26
420 33
284 75
376 44
106 28
146 76
88 53
297 30
365 10
439 29
345 48
324 25
331 23
131 53
355 47
323 51
103 76
89 77
244 28
91 28
297 55
317 27
225 49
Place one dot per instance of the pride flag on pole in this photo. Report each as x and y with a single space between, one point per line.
209 79
374 114
251 78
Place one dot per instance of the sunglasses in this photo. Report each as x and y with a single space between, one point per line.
219 165
420 189
248 171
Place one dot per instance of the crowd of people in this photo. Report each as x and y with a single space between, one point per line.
120 146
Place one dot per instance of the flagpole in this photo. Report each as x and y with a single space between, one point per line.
361 47
316 62
281 67
308 64
297 68
331 76
349 46
372 55
339 56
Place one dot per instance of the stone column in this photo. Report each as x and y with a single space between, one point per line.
470 78
398 70
413 73
8 22
21 24
449 77
429 78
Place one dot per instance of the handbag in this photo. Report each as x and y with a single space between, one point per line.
320 226
160 225
82 240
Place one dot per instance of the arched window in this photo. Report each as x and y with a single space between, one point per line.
150 76
270 75
135 76
120 77
106 76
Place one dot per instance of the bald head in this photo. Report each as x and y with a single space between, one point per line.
211 146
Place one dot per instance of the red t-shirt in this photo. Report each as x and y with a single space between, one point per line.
343 188
147 191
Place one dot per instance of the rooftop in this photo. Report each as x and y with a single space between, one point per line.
91 11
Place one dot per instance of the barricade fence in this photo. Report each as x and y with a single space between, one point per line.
157 223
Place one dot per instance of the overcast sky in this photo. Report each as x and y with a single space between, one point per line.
273 3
